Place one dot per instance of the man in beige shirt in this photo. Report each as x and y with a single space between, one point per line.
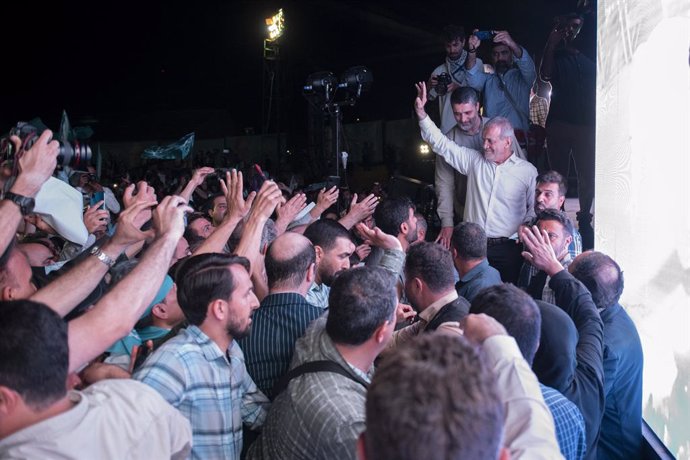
40 419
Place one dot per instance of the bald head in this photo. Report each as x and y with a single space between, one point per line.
601 275
289 260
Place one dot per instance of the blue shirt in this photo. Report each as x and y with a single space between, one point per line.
277 324
481 276
210 387
517 81
621 427
570 425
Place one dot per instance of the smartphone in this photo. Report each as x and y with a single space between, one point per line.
96 197
484 34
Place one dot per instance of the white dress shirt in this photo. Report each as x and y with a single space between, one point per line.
499 197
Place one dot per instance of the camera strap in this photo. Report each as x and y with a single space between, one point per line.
502 86
311 367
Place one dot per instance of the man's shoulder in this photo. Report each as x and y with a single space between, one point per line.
126 394
439 69
326 400
524 164
620 331
184 343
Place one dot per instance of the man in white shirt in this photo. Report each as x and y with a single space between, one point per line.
500 185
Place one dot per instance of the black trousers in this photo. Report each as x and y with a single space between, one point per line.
505 256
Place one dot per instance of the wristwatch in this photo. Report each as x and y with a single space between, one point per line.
102 256
25 203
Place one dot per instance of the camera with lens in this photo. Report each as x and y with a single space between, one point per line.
442 82
73 154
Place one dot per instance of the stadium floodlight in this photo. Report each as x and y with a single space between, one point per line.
276 26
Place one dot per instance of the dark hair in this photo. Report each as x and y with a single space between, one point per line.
436 391
203 279
554 177
516 311
324 232
360 301
189 233
452 32
464 95
557 216
469 240
289 269
391 213
34 356
211 201
431 263
601 275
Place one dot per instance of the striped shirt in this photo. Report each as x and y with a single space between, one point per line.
208 386
570 425
276 326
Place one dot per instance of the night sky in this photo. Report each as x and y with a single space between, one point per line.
107 61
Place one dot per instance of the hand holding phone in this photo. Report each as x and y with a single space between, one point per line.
484 34
96 197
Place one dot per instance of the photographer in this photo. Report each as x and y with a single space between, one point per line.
450 75
35 166
506 92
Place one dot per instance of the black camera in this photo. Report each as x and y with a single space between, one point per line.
442 82
72 154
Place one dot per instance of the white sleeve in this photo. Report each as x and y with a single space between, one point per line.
529 430
460 158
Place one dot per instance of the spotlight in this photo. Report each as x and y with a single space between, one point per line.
355 81
424 149
324 89
276 26
320 87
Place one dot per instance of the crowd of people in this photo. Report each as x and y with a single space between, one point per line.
218 317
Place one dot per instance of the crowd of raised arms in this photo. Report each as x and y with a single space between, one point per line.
229 315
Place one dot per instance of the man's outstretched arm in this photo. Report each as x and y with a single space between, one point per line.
116 313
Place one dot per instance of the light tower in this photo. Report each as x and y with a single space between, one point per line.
272 75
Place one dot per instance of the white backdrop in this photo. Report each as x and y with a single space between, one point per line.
642 208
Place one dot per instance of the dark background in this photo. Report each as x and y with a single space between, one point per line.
109 62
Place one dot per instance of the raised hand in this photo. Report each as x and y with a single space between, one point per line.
539 251
376 237
325 200
359 211
473 41
233 188
96 219
129 223
363 251
36 164
168 217
288 211
268 198
420 100
200 174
